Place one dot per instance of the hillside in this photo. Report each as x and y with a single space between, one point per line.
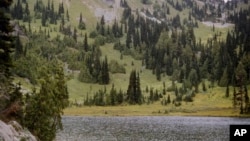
174 47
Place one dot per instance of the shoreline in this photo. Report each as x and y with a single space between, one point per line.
128 111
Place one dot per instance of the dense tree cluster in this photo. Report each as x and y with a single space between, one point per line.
18 10
165 44
176 53
134 94
104 33
103 97
93 71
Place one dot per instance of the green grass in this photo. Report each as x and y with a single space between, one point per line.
196 108
78 90
77 7
211 103
205 32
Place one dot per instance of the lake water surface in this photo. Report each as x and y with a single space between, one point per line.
147 128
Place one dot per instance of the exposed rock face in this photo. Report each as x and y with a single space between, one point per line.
109 2
14 132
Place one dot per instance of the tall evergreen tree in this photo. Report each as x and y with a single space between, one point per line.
120 97
19 10
105 71
18 47
224 78
8 98
113 95
61 9
75 34
85 75
26 14
134 95
241 74
81 24
227 91
85 44
193 78
102 22
103 77
43 20
67 15
168 100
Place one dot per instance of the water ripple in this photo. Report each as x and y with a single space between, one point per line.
147 128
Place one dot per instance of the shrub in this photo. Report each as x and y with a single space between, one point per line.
119 46
188 98
93 34
99 40
116 68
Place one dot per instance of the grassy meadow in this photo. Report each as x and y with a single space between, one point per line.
209 103
203 105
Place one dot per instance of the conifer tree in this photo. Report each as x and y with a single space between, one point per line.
105 71
85 75
114 28
113 96
204 88
18 10
85 44
61 9
168 100
81 24
18 47
134 95
128 40
75 34
102 22
193 78
120 97
8 95
164 88
158 73
224 78
43 20
138 90
241 74
227 91
67 15
26 14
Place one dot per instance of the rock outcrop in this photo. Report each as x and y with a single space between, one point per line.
13 131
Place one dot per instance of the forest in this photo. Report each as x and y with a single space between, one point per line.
154 51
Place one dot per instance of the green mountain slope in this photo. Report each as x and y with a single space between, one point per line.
56 41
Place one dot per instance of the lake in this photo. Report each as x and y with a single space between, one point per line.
147 128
